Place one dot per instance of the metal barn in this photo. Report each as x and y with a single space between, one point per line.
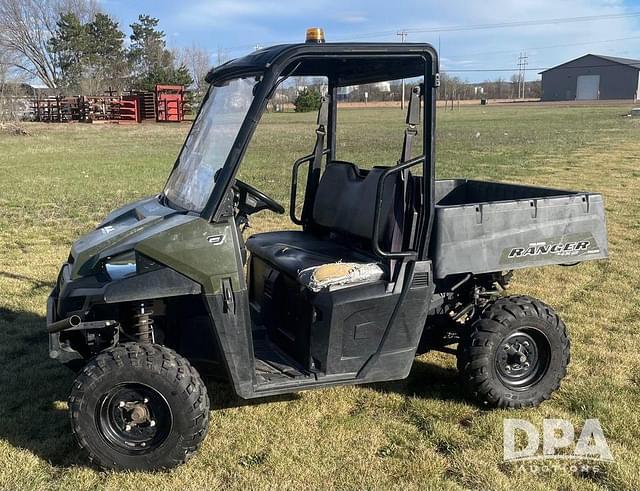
592 77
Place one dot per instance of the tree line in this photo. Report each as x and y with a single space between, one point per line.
452 87
72 46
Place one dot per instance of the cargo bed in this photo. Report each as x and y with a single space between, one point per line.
483 227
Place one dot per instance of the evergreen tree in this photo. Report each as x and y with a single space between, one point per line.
91 56
308 100
69 44
106 56
152 63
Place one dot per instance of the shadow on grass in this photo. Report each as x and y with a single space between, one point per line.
428 381
222 396
34 391
36 284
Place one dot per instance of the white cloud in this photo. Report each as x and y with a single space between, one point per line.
251 22
351 18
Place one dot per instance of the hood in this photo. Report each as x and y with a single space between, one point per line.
120 231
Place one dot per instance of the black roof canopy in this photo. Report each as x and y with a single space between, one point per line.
346 63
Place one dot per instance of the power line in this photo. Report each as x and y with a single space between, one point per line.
541 69
539 48
499 25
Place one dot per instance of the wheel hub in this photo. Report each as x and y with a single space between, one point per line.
135 418
518 353
519 360
135 413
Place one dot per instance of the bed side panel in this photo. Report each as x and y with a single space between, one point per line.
488 237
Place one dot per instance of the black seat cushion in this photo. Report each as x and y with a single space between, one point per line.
341 227
294 251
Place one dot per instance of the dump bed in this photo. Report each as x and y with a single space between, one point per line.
483 227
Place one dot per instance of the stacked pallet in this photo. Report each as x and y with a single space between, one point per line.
126 110
166 103
46 110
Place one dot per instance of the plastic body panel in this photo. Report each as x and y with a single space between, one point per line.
120 232
161 283
483 227
349 326
232 331
356 335
205 252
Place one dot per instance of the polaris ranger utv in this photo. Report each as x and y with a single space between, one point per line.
387 263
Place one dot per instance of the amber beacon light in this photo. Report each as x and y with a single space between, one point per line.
315 35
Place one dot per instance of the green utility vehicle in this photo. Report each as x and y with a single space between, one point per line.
386 263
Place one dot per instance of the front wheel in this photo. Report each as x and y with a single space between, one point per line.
139 407
516 353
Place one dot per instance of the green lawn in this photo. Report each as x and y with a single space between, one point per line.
57 183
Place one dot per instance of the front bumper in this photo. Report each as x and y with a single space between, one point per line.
58 350
67 298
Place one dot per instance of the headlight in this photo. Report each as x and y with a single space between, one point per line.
121 266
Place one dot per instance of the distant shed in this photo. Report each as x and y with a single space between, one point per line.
592 77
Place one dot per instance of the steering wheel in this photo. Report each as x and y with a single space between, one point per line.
263 201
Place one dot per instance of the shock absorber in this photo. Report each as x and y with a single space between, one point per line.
143 322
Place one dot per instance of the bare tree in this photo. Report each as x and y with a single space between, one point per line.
4 86
84 10
26 26
451 87
13 104
515 80
198 62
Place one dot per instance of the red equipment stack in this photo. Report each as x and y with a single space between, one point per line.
170 102
126 110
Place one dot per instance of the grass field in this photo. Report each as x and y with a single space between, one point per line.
421 433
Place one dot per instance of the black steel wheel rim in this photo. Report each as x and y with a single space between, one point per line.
134 418
522 358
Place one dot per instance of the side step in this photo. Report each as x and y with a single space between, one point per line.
274 366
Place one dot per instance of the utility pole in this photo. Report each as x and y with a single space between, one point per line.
403 36
519 74
523 61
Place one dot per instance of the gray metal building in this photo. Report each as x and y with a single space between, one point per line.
592 77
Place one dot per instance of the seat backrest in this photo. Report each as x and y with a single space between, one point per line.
346 199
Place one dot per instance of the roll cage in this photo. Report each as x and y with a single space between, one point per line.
344 64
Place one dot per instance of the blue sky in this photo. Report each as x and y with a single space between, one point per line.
235 26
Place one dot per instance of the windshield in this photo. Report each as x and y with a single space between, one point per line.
209 143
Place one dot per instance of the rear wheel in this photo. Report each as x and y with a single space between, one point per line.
516 353
139 406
